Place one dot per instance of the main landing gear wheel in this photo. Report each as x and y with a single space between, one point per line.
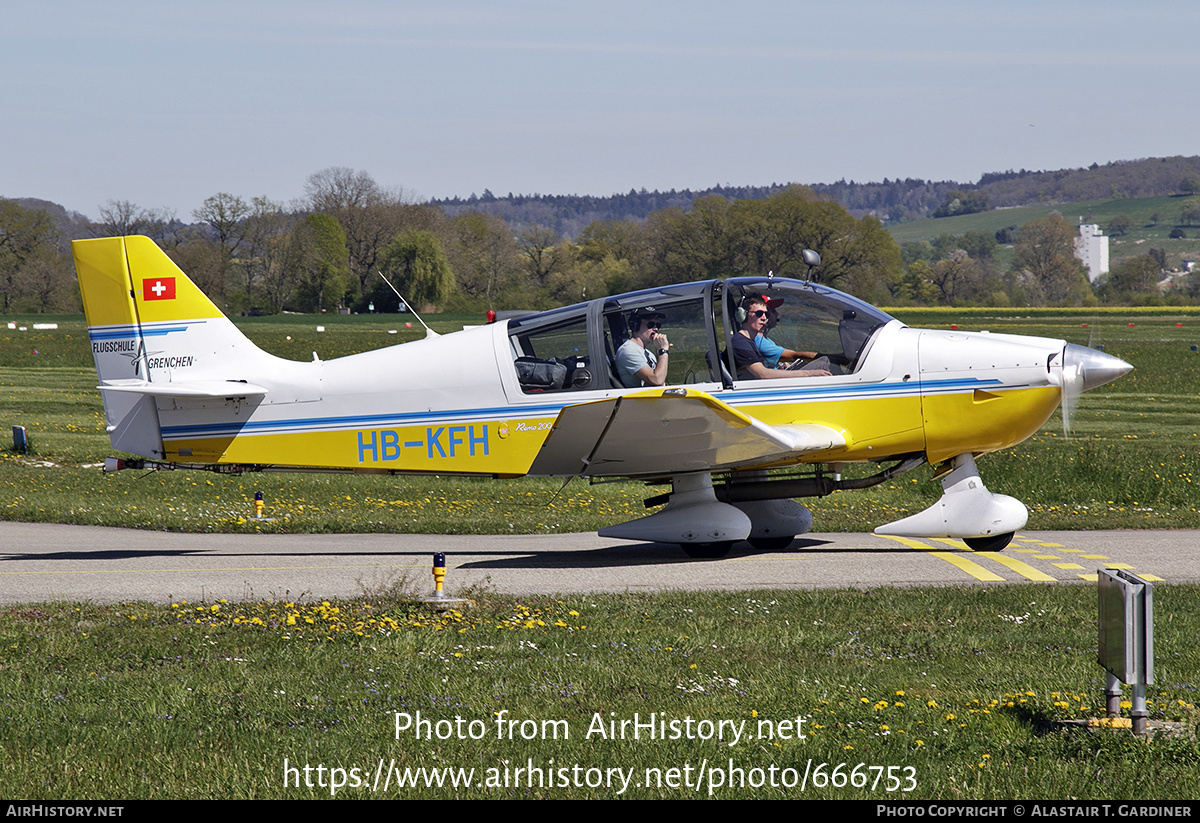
707 551
771 544
991 543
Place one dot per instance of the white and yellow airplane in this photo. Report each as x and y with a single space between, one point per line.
539 395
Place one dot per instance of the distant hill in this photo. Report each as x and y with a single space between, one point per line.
893 201
71 224
570 214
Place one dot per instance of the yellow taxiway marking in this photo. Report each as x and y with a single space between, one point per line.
1023 569
1094 556
1152 578
1118 566
1073 551
970 567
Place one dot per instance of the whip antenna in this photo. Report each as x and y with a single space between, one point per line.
428 331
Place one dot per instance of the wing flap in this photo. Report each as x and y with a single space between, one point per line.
668 431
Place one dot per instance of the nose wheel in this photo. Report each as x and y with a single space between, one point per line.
991 543
707 551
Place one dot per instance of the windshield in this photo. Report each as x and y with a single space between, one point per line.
806 317
579 348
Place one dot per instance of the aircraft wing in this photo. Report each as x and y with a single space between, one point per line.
668 431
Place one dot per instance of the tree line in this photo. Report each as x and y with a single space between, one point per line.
329 252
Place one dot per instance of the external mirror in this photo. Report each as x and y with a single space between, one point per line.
812 260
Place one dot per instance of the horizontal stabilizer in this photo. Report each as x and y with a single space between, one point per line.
669 431
198 388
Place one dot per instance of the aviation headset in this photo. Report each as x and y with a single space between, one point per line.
741 315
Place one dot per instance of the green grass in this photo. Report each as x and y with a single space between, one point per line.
1132 460
964 693
974 693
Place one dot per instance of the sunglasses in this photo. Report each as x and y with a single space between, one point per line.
758 313
652 324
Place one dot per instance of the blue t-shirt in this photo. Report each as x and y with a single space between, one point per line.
769 349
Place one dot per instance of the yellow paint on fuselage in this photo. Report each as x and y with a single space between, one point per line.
980 422
874 428
458 447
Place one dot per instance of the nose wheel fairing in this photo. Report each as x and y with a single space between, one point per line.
966 509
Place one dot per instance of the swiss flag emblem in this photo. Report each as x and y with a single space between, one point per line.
158 288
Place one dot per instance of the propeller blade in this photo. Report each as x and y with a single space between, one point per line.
1085 369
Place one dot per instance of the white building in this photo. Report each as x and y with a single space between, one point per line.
1091 246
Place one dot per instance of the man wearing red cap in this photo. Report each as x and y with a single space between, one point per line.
753 314
771 351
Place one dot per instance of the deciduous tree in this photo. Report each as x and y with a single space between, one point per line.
538 245
1132 280
1046 250
1120 225
416 265
370 216
320 262
25 235
483 254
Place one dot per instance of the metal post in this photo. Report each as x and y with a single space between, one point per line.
1126 643
20 440
1112 696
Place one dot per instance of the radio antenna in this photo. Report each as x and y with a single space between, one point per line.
428 331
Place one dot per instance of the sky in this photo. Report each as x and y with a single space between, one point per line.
164 104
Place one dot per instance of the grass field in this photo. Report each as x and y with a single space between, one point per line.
1132 460
951 694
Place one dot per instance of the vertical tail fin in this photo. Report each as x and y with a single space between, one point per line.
152 333
129 281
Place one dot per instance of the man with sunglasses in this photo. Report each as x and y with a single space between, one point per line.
753 315
642 359
771 351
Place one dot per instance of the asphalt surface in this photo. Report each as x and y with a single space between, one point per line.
45 562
